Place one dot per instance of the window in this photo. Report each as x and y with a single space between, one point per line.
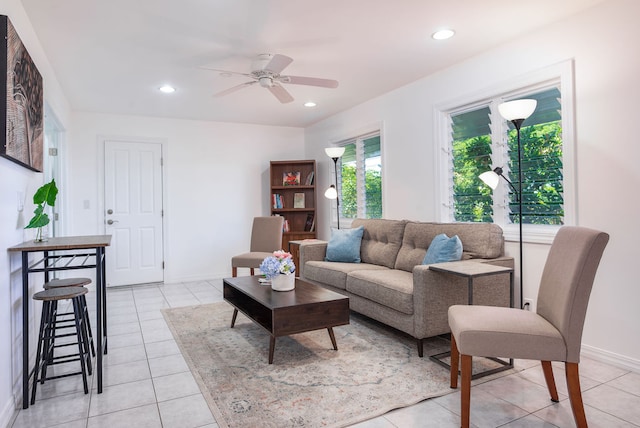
477 139
360 177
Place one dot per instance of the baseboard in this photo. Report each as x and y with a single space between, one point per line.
8 414
195 278
611 358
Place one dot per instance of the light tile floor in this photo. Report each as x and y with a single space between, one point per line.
147 382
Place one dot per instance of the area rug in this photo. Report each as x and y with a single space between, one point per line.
375 369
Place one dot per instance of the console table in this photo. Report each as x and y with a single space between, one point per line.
71 252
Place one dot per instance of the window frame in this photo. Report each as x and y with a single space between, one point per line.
361 135
560 75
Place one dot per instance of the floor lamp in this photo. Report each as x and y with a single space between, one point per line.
332 192
515 112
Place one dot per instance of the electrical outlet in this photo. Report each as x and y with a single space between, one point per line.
528 304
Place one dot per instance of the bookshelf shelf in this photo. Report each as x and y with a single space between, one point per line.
293 183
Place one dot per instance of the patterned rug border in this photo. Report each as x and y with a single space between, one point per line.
383 409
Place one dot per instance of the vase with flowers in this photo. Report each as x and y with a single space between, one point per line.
280 270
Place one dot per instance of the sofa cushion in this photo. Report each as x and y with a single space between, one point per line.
334 273
381 240
443 249
479 241
344 245
392 288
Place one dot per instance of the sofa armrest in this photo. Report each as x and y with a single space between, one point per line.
434 292
312 250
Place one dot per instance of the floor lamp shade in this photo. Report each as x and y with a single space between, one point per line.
518 109
334 152
490 178
331 192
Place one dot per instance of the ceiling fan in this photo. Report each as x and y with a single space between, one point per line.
266 69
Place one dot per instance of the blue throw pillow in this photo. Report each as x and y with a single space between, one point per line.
443 249
344 245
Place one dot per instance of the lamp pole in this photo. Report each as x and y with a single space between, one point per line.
335 168
332 192
515 112
518 123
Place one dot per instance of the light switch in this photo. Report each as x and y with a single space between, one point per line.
86 204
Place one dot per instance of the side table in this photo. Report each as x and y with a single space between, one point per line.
294 249
472 271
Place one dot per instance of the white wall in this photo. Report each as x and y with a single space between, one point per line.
607 89
14 179
212 170
216 181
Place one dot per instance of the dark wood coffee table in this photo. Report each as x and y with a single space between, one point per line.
308 307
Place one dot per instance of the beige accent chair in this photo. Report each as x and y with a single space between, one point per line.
554 333
266 237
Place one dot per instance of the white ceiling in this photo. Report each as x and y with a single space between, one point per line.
110 56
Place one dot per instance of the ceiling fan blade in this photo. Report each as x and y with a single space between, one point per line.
278 63
226 71
234 88
311 81
281 93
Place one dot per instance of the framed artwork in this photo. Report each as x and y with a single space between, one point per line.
22 114
291 178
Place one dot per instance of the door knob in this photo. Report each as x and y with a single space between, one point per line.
109 211
111 221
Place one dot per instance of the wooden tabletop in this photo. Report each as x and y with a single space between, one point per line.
64 243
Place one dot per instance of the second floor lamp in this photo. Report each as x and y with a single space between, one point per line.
332 192
515 112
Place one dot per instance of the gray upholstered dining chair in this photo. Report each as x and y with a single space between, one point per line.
266 237
553 333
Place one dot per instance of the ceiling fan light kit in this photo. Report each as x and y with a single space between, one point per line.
266 69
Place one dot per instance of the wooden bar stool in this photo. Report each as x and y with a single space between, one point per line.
75 282
50 329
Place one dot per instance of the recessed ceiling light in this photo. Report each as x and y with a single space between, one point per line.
167 89
443 34
309 104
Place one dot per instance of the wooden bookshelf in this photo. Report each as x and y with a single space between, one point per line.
289 183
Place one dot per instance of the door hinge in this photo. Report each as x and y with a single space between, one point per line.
161 161
162 265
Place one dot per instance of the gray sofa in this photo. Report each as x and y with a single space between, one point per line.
392 286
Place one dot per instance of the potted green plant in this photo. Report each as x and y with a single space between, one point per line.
45 195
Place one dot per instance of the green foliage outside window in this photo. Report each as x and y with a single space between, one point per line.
373 189
472 198
542 201
542 176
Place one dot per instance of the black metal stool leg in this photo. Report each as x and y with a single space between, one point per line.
82 344
87 322
39 350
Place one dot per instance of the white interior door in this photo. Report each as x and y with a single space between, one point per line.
133 212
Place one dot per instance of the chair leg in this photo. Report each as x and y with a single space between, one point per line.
252 271
420 348
575 395
551 383
234 272
455 362
465 393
